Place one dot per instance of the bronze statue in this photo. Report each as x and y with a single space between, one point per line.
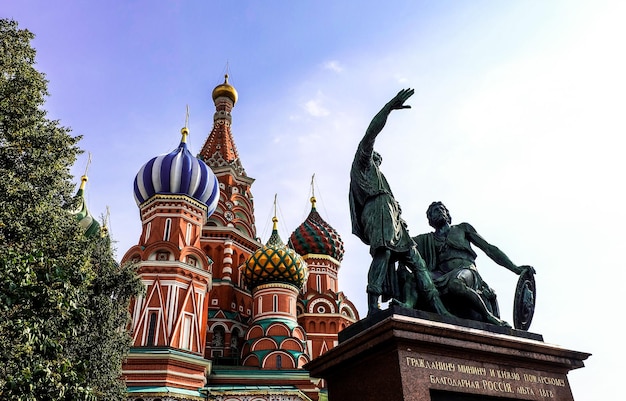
377 222
450 259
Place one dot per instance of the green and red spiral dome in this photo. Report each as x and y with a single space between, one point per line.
316 236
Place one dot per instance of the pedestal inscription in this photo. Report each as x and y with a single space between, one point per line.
413 359
489 379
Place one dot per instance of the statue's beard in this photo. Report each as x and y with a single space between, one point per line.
439 221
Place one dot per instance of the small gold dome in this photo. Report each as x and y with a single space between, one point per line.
225 89
275 263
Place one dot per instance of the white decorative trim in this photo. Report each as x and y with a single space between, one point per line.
332 307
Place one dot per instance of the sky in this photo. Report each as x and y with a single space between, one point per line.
517 125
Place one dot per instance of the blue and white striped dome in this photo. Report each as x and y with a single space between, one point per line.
180 173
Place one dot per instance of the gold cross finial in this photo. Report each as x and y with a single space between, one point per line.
104 230
185 130
275 219
88 162
83 179
313 200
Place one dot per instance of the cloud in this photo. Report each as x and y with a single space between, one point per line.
402 79
315 108
333 65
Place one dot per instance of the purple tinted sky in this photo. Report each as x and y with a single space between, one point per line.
517 125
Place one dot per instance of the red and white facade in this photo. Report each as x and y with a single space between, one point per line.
197 314
172 314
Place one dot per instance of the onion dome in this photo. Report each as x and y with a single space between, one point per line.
275 263
316 236
225 89
178 173
86 221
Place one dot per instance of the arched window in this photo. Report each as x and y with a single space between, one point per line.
185 337
168 228
275 303
148 228
234 341
188 234
279 361
218 337
318 282
151 329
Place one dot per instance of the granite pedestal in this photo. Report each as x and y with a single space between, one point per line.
407 355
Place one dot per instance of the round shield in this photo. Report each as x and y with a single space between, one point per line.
525 295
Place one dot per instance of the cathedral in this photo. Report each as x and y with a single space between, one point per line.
226 315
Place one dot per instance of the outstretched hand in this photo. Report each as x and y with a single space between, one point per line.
526 267
397 102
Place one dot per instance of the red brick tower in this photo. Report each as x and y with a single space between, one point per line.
229 237
323 310
175 194
275 274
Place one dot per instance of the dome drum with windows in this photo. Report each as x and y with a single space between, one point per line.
178 173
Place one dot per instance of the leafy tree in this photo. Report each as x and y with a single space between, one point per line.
43 259
102 340
61 292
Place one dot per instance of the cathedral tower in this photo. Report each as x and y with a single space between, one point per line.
275 274
229 236
323 310
175 193
224 316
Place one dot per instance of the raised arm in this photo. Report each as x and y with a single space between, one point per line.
379 120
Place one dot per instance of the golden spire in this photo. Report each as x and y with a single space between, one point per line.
313 200
104 231
83 179
275 219
185 130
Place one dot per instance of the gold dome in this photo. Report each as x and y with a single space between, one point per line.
275 263
225 89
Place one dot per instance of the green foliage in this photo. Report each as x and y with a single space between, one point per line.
35 152
63 299
103 341
39 309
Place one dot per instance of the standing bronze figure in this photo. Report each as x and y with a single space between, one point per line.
377 222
